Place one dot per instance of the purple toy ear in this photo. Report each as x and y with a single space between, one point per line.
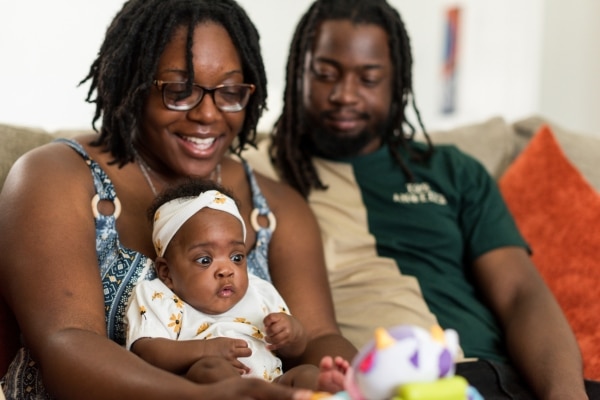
414 359
445 363
402 332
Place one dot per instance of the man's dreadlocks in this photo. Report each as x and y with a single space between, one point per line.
291 149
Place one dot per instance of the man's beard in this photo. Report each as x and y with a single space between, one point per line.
333 145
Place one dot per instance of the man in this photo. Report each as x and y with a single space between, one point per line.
394 212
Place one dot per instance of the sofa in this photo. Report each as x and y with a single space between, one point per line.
550 179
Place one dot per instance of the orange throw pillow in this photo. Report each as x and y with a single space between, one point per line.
558 213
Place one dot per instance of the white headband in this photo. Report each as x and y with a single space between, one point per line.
173 214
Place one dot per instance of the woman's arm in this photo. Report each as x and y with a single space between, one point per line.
538 336
298 271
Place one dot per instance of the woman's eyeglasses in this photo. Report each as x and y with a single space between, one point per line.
180 96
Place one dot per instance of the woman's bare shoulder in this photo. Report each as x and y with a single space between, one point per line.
56 152
54 166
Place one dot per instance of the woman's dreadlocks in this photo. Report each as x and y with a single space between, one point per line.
122 74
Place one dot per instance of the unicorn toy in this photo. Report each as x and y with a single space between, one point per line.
407 363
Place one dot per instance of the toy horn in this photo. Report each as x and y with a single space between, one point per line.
383 339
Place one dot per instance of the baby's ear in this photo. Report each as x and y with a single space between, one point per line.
162 271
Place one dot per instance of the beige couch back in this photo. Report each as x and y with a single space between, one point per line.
493 142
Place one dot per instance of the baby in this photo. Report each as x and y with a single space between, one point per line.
232 322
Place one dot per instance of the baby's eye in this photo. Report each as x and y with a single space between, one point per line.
237 258
205 261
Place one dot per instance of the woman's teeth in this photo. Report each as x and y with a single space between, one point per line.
202 143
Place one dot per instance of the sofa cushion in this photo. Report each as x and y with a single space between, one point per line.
17 141
558 211
583 151
492 142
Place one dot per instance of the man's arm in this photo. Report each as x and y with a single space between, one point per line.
539 339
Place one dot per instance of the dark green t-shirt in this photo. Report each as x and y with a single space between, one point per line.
434 228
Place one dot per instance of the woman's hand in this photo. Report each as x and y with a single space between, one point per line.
254 389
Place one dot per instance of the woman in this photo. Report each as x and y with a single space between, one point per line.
178 84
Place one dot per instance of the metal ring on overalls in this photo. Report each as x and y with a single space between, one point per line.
270 217
96 200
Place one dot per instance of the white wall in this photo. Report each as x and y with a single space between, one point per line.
495 62
47 48
570 78
517 58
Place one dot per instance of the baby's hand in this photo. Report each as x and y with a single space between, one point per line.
229 349
285 334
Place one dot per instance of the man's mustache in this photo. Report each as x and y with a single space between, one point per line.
335 114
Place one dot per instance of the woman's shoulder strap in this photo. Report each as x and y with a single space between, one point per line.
102 183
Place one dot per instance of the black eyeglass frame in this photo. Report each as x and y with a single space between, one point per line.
160 85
